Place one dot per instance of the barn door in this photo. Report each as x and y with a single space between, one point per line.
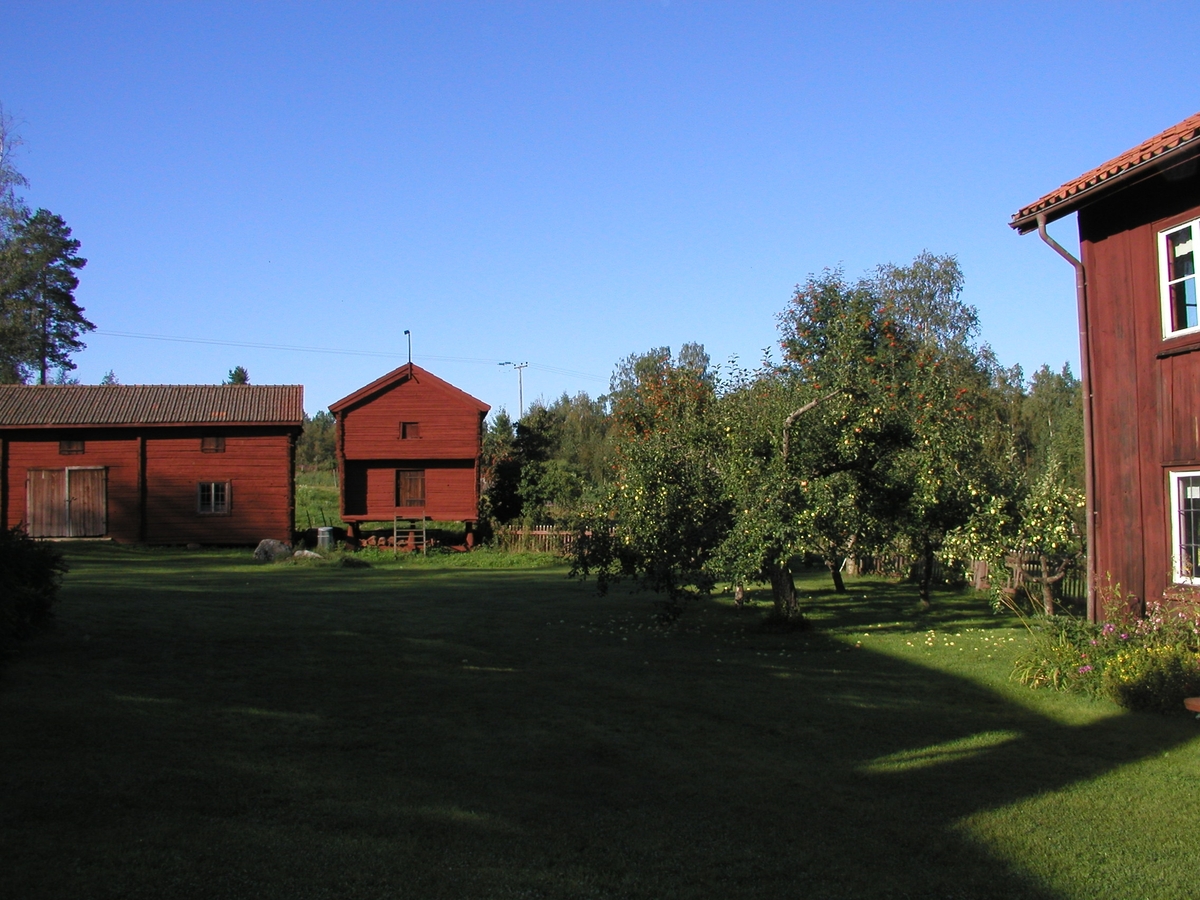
67 502
46 502
87 502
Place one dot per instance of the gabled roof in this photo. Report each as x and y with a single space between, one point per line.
33 406
400 375
1168 148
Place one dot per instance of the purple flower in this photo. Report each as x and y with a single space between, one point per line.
1108 628
1093 643
1124 637
1083 670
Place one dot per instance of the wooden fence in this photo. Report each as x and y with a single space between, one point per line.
1071 589
533 540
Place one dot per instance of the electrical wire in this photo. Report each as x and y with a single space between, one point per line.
297 349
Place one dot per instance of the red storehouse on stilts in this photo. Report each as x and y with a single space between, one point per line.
408 447
211 464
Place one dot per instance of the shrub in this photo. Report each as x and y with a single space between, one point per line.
1148 663
1153 677
30 575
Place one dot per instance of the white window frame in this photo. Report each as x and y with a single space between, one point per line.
1164 292
1178 576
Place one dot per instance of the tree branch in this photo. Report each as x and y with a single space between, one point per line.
791 420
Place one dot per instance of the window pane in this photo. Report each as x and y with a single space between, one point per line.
220 501
1183 304
206 498
1181 261
1189 526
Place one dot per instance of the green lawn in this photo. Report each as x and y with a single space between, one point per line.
200 726
317 503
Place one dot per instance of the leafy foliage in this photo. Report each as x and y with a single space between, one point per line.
541 469
316 448
30 575
238 375
665 513
1151 663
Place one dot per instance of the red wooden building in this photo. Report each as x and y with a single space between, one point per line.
210 464
408 447
1139 231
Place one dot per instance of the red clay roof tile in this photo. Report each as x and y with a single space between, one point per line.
1149 150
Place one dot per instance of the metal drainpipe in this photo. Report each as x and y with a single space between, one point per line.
1086 384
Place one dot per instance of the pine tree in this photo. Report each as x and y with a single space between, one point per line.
40 322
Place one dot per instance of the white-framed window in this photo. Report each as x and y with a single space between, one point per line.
213 498
1177 275
1185 527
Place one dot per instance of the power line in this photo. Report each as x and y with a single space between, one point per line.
297 349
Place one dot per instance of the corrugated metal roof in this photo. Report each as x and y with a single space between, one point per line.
1057 201
150 404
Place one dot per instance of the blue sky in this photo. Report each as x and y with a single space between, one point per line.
558 183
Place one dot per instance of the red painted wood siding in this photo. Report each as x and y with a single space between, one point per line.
257 463
119 456
1145 404
255 467
371 449
450 428
450 491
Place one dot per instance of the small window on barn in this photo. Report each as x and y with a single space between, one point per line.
213 498
410 431
70 448
410 487
1185 509
212 445
1177 251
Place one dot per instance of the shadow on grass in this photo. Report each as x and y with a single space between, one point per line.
199 726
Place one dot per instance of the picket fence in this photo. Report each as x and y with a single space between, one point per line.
534 540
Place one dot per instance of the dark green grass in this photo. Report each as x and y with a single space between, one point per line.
199 726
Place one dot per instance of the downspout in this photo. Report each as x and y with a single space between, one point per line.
1085 379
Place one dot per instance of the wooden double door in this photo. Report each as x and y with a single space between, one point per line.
70 502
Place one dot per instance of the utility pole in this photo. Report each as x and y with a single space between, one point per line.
520 367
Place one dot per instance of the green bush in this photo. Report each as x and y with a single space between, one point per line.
1153 677
1149 663
30 575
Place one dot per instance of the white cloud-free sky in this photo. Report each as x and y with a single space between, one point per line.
557 183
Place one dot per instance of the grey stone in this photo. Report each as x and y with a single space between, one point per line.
270 551
306 554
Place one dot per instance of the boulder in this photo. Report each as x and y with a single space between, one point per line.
270 551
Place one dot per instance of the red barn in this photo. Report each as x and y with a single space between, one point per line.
1139 231
157 463
408 446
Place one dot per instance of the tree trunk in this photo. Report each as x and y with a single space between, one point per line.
783 592
926 575
739 596
835 569
1047 586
